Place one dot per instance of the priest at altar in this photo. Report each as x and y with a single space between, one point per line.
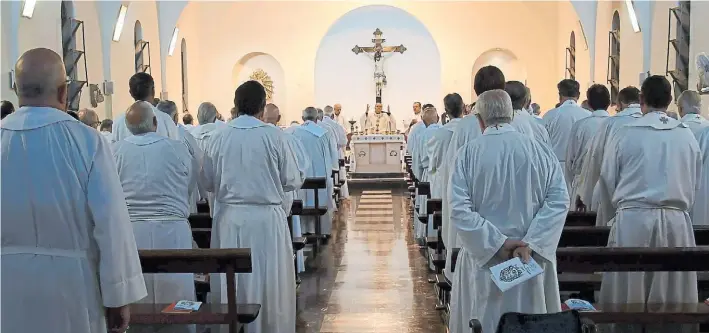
377 122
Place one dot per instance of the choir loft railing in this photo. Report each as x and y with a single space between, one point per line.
74 59
679 47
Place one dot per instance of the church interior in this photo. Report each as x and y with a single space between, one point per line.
373 269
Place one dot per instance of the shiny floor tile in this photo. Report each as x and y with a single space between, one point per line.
371 277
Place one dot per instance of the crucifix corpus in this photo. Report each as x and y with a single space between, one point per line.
375 52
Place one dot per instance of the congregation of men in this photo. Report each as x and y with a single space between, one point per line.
506 180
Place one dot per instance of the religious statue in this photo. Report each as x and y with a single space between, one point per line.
377 53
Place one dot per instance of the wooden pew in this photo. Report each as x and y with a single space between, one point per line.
203 207
229 261
424 189
315 184
580 219
604 259
598 236
618 259
299 243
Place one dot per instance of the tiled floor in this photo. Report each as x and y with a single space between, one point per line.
371 277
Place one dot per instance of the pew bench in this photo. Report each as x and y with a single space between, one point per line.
229 261
581 236
315 184
618 259
580 219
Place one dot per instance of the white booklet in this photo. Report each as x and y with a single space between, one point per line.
513 272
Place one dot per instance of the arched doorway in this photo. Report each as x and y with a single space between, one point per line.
503 59
265 69
343 77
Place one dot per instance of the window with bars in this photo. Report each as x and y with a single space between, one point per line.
571 58
679 47
183 56
142 51
613 74
74 58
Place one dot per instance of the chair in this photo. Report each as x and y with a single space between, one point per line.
561 322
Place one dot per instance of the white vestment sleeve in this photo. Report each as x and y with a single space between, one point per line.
291 175
572 152
478 236
546 227
436 152
120 273
207 173
608 179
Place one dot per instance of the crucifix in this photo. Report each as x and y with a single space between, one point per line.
375 53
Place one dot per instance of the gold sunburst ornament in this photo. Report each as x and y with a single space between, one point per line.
265 80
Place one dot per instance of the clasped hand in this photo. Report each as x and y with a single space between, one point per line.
515 248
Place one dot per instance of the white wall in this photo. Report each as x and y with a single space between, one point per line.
247 65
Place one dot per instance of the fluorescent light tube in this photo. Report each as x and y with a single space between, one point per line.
28 8
118 29
173 41
631 14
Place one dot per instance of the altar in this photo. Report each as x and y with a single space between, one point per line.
377 153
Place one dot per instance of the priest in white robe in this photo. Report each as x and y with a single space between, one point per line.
248 211
156 174
700 211
377 122
339 118
690 109
508 198
629 107
341 141
142 88
439 165
415 119
334 163
106 128
202 133
271 116
188 121
522 121
560 120
468 129
430 120
68 251
314 138
195 151
650 210
582 132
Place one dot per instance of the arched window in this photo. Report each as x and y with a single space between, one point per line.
142 50
183 55
679 47
74 59
614 57
571 58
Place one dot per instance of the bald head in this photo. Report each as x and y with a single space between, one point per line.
429 116
40 79
338 109
271 114
140 118
89 117
688 102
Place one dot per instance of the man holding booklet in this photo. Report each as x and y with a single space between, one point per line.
509 200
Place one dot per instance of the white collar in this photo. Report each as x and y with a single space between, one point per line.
568 102
693 118
246 122
600 113
32 117
145 139
657 120
632 110
499 129
313 128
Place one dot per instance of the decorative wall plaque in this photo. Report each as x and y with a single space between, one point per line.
265 80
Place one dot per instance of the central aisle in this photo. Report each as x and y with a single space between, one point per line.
372 276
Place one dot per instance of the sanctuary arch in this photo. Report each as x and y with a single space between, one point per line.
264 68
503 59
